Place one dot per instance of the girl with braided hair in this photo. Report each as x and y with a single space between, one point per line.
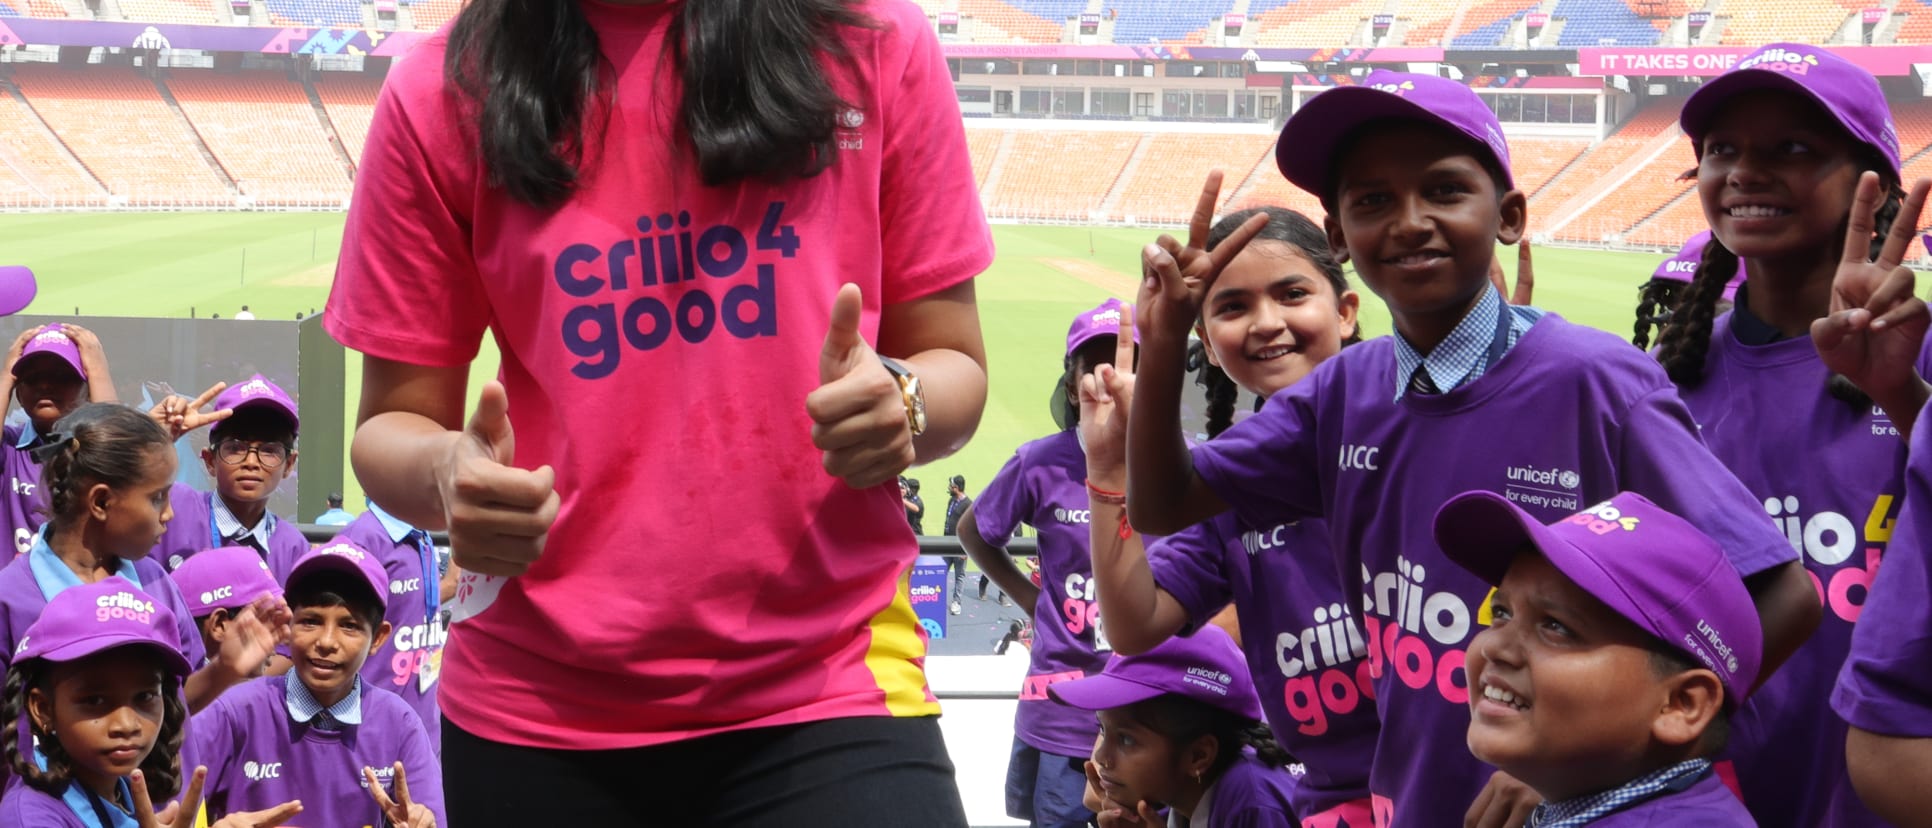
1797 155
1280 308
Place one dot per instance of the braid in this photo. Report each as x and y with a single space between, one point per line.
1655 301
1838 385
20 758
162 767
1221 396
1686 338
1270 752
58 479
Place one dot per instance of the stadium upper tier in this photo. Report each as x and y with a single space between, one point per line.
1460 24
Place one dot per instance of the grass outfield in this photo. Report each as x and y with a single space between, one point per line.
279 264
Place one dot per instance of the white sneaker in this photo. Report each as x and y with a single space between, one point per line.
955 607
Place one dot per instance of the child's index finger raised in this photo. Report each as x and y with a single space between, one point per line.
1197 227
1858 227
1904 226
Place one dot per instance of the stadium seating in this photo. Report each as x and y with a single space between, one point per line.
1652 186
982 145
1166 185
1142 21
1917 27
7 10
1485 23
264 131
350 101
1756 22
1271 190
1589 170
45 8
32 170
315 12
430 15
1313 23
1060 175
1534 160
143 151
997 22
1426 20
170 11
1592 22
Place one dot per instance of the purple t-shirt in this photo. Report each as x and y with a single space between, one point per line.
1251 794
26 505
1830 476
26 806
1886 684
1304 643
258 757
406 664
1566 419
193 530
1705 804
1045 486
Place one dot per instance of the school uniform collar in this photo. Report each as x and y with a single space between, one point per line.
231 527
397 529
1175 820
1583 810
52 574
303 707
88 808
28 437
1748 328
1463 356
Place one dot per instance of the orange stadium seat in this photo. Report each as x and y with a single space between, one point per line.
1012 25
1313 23
1167 184
1485 22
1756 22
45 8
1059 175
32 170
170 11
1271 190
1534 160
1651 187
351 101
1426 20
142 152
430 15
1917 27
265 133
982 145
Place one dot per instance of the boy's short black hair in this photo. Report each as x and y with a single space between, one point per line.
259 422
335 588
1667 661
1475 150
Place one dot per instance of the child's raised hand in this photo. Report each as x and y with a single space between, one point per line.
1106 395
180 415
1504 802
180 813
19 345
259 627
269 818
858 412
498 515
399 811
1175 279
1876 325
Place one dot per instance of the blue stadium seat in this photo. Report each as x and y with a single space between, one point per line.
1486 35
310 12
7 10
1138 21
1054 10
1590 22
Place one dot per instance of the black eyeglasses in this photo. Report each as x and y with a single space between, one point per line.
233 451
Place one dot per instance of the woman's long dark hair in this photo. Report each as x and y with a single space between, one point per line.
757 102
1685 342
1288 227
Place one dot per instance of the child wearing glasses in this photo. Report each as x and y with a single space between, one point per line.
249 452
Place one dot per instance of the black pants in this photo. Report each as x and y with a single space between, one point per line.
883 772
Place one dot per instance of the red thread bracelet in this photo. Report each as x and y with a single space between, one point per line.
1113 498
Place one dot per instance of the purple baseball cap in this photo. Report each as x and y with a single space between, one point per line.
88 619
1310 143
1103 320
1681 267
1849 93
16 289
344 556
52 340
258 392
1206 667
231 577
1646 564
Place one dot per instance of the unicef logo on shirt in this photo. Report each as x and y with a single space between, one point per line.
851 119
1569 479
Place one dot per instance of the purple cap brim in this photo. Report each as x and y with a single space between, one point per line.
1306 152
1102 692
80 648
17 289
1703 105
315 562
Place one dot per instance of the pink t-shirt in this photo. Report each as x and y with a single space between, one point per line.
659 338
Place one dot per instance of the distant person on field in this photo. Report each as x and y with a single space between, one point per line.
244 313
336 515
915 505
956 503
48 369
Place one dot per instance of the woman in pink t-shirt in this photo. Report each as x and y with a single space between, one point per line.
655 209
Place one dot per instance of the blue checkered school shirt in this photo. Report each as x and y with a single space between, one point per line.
1462 357
1584 810
303 706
